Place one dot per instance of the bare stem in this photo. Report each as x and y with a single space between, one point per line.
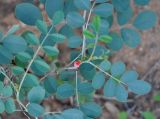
85 26
77 96
94 48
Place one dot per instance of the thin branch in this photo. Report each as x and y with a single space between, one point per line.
84 38
29 65
2 71
119 81
77 96
94 48
85 27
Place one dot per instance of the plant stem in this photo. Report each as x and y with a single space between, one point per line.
84 38
3 73
85 26
29 65
119 81
77 96
94 48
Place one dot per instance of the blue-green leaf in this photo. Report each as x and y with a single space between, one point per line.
131 37
52 6
5 55
65 91
35 110
50 84
118 68
87 71
7 91
74 19
104 10
105 65
40 67
42 26
2 106
10 106
58 17
51 51
23 56
145 20
142 2
129 76
91 109
72 114
30 81
121 93
15 44
98 80
28 13
36 94
124 17
121 6
85 88
82 5
139 87
17 70
57 38
116 43
74 42
110 88
101 1
30 38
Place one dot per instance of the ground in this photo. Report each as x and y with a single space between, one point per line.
145 59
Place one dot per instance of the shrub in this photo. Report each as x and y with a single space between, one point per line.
36 72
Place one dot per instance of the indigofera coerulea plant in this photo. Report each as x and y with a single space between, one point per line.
31 70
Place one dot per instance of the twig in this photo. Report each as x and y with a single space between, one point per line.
94 48
119 81
85 27
29 65
77 96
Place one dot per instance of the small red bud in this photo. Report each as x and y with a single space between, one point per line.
77 64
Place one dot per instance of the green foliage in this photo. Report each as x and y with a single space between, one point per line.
82 5
123 115
39 70
36 94
142 2
65 91
91 109
2 109
28 13
157 97
72 22
104 10
148 115
10 106
72 114
131 37
35 110
14 44
145 20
